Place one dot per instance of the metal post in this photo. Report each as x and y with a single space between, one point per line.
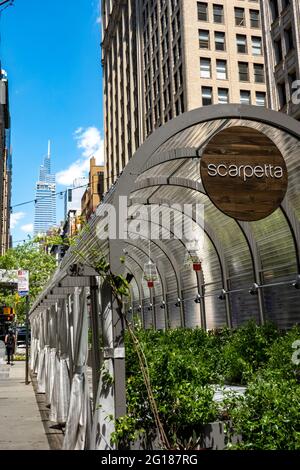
27 342
202 308
227 303
96 360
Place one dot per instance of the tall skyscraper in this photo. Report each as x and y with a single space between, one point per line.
5 165
45 206
164 57
281 32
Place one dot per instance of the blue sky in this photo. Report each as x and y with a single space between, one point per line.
51 52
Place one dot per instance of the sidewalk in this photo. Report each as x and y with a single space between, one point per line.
21 427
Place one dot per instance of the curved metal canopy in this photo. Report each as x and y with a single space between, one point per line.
164 172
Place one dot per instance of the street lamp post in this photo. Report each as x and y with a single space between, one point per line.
27 342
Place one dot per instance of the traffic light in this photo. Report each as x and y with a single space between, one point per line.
7 314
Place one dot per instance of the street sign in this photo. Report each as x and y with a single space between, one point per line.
17 279
244 173
8 277
23 283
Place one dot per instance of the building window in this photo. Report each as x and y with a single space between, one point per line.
244 72
239 16
278 51
274 9
292 79
223 95
206 95
289 40
259 73
218 13
254 19
256 45
220 41
245 97
222 70
282 95
204 39
202 9
260 98
241 43
205 68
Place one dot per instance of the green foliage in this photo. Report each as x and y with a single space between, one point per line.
268 416
245 352
40 266
183 366
280 355
125 431
180 383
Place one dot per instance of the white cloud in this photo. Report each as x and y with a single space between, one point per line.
15 218
98 13
90 142
28 228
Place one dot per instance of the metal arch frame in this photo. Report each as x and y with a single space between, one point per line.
136 164
186 120
134 274
175 267
199 278
132 271
243 226
220 254
161 279
200 284
294 226
141 299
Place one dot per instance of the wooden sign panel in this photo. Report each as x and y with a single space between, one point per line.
244 173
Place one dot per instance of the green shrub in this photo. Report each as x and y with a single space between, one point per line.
268 416
245 351
184 364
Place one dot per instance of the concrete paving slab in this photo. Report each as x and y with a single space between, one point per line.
21 427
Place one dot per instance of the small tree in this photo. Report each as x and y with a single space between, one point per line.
40 265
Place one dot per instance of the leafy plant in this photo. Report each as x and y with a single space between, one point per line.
268 416
33 258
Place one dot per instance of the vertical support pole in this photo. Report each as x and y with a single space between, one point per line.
152 297
27 342
227 303
119 362
95 337
202 307
260 298
182 312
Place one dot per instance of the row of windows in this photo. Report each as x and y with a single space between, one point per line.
223 96
218 15
288 42
282 89
220 42
275 6
222 70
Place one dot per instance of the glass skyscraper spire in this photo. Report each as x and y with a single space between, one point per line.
45 206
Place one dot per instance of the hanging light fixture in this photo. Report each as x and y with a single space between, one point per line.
150 273
193 257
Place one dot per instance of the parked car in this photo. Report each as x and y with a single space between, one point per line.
21 334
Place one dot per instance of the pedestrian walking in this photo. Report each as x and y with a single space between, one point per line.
10 343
